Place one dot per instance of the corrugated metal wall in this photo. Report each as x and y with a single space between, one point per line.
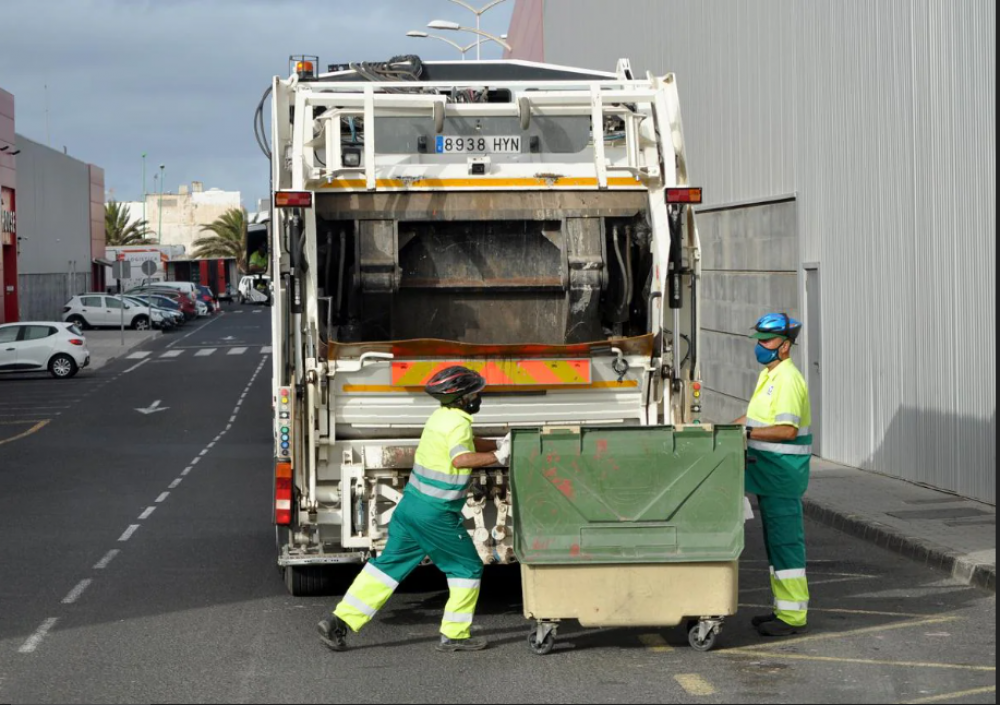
881 116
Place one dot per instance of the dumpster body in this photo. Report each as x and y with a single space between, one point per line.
637 526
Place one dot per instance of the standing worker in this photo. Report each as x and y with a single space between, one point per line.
428 520
779 450
258 265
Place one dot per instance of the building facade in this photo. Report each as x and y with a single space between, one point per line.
848 156
185 213
8 211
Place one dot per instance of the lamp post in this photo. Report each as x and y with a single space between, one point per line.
462 50
456 27
159 229
478 13
144 189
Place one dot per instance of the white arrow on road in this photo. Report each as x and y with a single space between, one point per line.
153 408
229 337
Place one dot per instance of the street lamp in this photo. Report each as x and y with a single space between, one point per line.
462 50
159 229
456 27
144 189
478 13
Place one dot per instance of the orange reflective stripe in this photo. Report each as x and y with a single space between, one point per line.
499 373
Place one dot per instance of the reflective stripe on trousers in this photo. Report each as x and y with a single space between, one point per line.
461 608
367 595
784 538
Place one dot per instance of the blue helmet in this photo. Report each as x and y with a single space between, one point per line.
777 325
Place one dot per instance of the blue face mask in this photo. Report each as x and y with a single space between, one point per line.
764 355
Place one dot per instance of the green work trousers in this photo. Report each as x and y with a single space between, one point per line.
785 540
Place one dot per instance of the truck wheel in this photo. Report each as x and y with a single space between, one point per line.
309 580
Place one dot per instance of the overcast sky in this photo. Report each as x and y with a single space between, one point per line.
180 79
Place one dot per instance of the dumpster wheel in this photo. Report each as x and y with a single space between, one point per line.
702 634
542 638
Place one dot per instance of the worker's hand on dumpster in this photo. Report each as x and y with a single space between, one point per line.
503 450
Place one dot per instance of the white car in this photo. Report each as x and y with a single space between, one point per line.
254 288
59 348
103 311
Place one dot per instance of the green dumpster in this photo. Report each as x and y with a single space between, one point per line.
634 526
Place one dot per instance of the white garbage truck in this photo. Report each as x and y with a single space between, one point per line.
533 222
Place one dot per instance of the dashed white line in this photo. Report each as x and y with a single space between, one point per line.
204 452
172 353
146 514
176 482
128 532
236 351
75 593
211 445
265 350
35 639
163 495
195 461
186 470
108 557
205 353
219 437
229 425
138 356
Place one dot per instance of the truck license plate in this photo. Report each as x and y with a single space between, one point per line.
478 145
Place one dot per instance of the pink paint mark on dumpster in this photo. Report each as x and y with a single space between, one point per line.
574 550
602 449
540 545
563 485
576 466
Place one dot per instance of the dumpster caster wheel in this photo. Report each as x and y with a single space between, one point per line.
702 635
544 647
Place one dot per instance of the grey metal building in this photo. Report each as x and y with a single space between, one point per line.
848 155
60 211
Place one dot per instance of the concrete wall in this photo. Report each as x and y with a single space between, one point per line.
53 211
750 266
7 139
185 213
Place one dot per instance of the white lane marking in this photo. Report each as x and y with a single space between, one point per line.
186 470
219 437
205 353
199 328
75 593
232 418
108 557
195 461
176 482
138 356
172 353
211 445
204 452
128 532
163 495
146 514
135 367
265 350
236 351
35 639
229 426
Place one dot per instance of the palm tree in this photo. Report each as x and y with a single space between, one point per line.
228 238
118 231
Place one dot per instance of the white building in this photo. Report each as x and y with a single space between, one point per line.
847 152
185 213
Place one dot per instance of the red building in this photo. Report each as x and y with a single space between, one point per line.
8 211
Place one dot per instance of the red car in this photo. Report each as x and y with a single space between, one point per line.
180 298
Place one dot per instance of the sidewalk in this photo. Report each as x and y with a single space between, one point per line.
948 533
106 345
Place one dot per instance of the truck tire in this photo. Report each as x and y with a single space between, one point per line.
310 580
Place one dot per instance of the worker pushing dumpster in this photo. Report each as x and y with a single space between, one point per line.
626 527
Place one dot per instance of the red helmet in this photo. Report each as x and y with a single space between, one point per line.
452 383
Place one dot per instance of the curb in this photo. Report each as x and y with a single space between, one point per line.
952 563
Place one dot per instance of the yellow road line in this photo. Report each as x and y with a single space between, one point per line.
656 643
851 632
694 684
874 613
37 427
865 661
952 696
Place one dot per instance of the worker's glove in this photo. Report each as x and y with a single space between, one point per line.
503 450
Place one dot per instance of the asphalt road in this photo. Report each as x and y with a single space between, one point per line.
137 565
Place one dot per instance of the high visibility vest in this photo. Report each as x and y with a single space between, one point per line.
258 260
780 469
447 435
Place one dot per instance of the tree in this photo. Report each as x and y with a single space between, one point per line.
118 231
227 239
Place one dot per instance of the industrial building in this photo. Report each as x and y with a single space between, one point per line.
848 156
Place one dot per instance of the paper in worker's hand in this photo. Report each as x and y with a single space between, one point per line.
747 509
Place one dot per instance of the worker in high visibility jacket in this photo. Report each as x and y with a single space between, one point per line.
428 520
779 448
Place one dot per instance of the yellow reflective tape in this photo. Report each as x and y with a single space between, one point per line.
498 372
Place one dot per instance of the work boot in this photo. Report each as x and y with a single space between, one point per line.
763 618
777 627
475 643
333 632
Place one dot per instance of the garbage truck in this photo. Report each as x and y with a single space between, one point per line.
533 222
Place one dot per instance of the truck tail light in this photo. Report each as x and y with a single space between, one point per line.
283 494
293 199
683 195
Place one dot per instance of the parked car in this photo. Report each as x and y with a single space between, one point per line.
58 347
206 295
161 318
165 304
185 302
103 311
